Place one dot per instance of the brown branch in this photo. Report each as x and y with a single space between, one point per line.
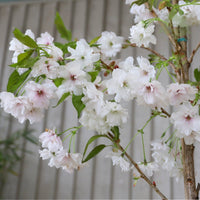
165 112
142 175
193 53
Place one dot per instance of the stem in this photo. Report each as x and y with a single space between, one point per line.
130 141
143 147
142 175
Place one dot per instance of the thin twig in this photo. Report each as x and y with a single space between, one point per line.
193 53
142 175
165 112
157 54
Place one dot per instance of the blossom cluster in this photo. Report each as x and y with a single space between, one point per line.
58 156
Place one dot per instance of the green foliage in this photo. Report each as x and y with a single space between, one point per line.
15 80
93 138
24 39
64 96
94 152
93 41
93 75
197 75
78 104
64 33
115 131
58 81
64 47
11 152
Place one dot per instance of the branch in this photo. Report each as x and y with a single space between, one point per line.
193 53
165 112
157 54
142 175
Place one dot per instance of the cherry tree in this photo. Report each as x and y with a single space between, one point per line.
88 74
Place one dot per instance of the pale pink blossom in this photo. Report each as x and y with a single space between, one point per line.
45 39
179 93
40 94
50 140
186 119
152 94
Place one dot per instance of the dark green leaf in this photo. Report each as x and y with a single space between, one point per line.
78 104
163 135
25 39
64 96
197 75
15 80
58 81
93 75
93 138
64 33
94 152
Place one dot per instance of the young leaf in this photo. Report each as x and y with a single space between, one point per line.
93 41
94 152
93 138
197 75
25 39
64 96
64 33
58 81
15 80
78 104
93 75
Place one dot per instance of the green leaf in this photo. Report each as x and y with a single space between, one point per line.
64 96
197 75
78 104
25 63
93 75
64 47
64 33
24 55
93 138
93 41
139 2
94 152
25 39
15 80
58 81
116 132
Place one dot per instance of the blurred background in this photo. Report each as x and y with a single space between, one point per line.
23 174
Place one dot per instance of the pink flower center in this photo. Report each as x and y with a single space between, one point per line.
40 92
73 77
188 117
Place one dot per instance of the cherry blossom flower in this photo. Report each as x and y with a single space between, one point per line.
179 93
40 94
110 44
84 54
141 35
120 161
45 39
186 119
152 94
